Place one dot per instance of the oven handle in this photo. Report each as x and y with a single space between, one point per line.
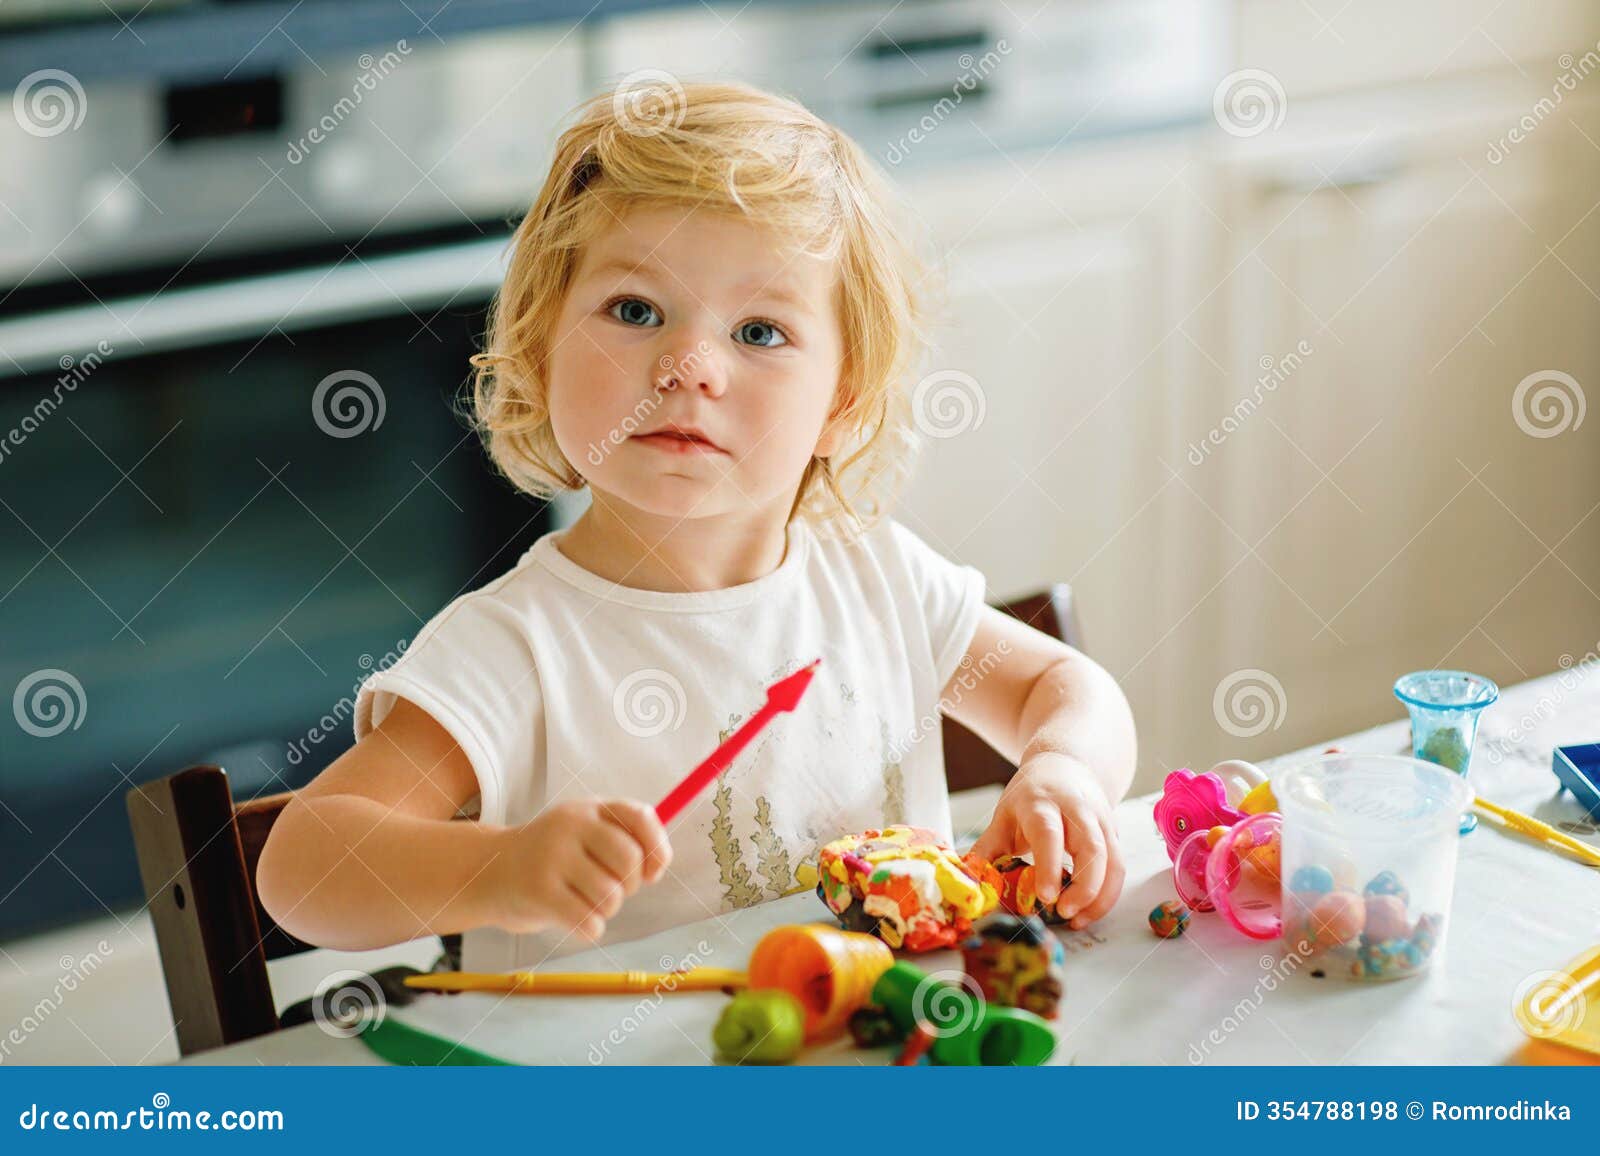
352 289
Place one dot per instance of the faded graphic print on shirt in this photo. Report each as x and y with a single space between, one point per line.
775 858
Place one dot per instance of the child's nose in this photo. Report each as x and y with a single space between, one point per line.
694 368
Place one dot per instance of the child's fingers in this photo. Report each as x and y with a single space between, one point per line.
1041 825
576 911
1087 842
617 851
640 821
599 888
995 840
1111 889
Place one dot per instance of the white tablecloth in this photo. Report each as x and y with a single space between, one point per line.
1211 996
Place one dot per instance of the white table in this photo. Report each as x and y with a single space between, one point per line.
1212 996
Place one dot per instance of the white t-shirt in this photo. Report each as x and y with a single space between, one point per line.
559 684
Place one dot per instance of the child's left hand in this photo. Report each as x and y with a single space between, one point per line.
1055 802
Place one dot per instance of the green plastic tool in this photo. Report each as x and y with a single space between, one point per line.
400 1043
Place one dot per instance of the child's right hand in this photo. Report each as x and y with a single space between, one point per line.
571 868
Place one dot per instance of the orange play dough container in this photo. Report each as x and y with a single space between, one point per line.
830 971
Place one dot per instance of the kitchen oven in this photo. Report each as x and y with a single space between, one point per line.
234 471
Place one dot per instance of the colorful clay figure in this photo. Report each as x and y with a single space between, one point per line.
760 1027
1016 962
1019 894
1190 803
1170 919
905 886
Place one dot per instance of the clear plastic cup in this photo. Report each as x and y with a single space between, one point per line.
1369 848
1444 707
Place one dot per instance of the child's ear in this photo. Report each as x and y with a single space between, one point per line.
833 435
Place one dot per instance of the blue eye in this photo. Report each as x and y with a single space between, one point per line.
761 333
633 311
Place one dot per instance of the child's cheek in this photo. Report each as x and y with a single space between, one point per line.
579 434
589 407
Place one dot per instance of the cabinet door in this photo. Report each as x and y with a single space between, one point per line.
1050 391
1394 485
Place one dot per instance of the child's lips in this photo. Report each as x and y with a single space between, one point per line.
676 444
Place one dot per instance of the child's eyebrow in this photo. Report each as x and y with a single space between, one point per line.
782 294
625 266
752 290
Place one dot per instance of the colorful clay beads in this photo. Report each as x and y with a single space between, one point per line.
1387 883
1312 879
1371 933
1170 919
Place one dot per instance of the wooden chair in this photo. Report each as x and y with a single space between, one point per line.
198 853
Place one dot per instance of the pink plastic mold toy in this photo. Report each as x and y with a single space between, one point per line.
1238 877
1190 803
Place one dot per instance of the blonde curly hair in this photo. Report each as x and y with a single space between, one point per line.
737 149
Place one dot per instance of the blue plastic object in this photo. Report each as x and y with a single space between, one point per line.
1444 707
1578 768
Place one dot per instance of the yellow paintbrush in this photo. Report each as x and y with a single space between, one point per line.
581 983
1540 831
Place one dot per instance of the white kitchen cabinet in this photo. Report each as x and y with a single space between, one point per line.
1069 275
1429 283
1324 46
1117 306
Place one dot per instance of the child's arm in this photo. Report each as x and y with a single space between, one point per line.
1066 724
367 854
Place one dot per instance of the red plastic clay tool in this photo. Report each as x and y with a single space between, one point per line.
782 695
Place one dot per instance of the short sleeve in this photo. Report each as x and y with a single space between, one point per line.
471 668
950 595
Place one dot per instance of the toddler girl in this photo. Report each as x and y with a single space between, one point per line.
708 322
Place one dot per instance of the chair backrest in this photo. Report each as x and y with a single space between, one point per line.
198 854
197 859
